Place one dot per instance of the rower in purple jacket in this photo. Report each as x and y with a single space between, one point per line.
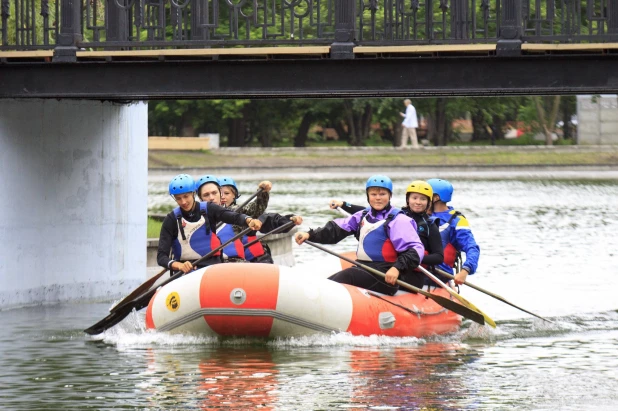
387 241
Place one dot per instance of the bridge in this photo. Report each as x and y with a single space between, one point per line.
139 49
74 73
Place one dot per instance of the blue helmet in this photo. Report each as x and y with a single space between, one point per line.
208 178
228 181
182 183
442 188
380 181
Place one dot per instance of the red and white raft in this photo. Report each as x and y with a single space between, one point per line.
265 300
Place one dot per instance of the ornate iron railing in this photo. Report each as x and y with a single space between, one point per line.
67 25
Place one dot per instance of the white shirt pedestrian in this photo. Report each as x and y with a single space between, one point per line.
409 125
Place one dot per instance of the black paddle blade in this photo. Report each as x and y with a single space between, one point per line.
120 314
458 308
138 291
108 322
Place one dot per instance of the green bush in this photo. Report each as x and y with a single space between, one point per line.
154 228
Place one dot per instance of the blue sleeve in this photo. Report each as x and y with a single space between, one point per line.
464 241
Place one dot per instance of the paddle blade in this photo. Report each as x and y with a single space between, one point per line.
457 308
139 290
120 314
458 297
488 320
108 322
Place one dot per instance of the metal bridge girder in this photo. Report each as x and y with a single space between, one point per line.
369 77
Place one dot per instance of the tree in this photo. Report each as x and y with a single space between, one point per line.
547 113
312 111
358 114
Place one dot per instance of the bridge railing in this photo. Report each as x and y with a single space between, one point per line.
70 25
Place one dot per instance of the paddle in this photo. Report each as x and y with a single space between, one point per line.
444 302
145 286
496 296
457 296
275 231
142 301
239 208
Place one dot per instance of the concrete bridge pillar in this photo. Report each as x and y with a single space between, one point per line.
597 119
73 194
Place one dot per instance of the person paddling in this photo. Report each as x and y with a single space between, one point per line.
188 230
455 231
257 252
387 241
209 189
418 199
419 196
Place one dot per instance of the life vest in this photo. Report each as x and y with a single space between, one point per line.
235 249
450 252
193 241
253 251
374 243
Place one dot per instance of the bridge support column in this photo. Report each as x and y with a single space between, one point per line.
70 31
511 29
612 16
74 199
345 30
117 23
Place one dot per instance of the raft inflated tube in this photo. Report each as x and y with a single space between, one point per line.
266 300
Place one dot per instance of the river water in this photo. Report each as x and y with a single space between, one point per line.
548 245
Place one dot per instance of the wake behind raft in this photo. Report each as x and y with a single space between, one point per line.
265 300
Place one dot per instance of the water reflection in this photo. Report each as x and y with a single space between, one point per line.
311 378
410 378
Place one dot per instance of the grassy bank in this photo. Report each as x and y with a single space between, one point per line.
154 228
449 156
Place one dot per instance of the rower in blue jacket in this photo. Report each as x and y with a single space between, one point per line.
455 231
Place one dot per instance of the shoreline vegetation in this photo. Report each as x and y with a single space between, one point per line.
498 156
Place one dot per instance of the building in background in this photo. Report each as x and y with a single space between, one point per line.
597 118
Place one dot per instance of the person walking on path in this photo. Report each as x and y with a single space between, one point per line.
409 125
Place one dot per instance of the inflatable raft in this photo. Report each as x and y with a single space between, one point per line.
265 300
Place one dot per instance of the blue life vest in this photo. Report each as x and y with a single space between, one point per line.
253 251
374 243
194 239
456 237
235 249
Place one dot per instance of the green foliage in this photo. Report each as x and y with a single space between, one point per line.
153 228
35 34
275 122
529 115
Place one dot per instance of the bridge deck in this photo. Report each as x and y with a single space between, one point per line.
269 72
306 52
